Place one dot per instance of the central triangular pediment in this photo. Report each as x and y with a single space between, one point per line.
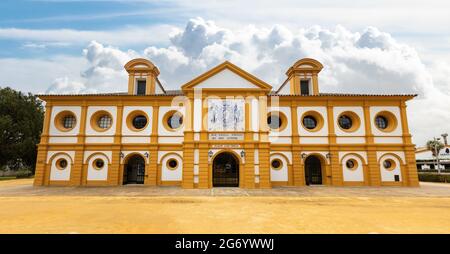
227 76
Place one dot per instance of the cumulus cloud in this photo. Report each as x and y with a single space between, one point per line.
66 86
123 36
369 61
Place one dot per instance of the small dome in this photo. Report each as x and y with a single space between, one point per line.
141 65
305 65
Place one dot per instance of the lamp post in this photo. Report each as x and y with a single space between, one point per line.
436 142
444 136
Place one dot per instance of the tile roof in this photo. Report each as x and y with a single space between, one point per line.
344 95
273 93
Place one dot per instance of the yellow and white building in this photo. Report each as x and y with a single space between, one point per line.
226 127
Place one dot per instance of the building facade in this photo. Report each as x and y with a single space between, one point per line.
226 127
427 162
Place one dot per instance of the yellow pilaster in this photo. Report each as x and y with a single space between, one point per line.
249 173
374 177
114 177
150 84
335 168
264 166
152 177
315 84
298 173
42 149
77 167
114 170
204 180
188 146
131 83
411 176
264 146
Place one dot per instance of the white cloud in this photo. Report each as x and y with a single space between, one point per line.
370 61
35 75
66 86
131 35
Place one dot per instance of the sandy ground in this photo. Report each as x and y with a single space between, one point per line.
137 209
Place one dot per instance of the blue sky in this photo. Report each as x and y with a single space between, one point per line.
415 22
74 15
380 46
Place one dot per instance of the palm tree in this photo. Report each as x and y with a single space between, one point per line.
435 146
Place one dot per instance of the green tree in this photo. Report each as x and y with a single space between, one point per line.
21 119
434 146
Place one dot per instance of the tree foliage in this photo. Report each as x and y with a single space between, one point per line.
21 119
434 146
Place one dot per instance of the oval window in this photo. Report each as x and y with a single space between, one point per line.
277 121
61 164
175 120
139 122
351 164
172 164
274 121
276 164
69 121
345 122
381 122
98 164
65 121
389 164
104 122
309 122
386 121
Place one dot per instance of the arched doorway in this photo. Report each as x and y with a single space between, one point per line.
225 170
313 170
134 170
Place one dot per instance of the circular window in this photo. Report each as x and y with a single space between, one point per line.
172 164
173 120
65 121
312 121
385 121
389 164
137 120
101 121
276 121
276 164
381 122
348 121
61 164
309 122
98 164
345 122
351 164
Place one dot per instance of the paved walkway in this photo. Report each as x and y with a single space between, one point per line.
25 188
139 209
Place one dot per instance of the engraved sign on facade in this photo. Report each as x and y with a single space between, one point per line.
226 136
224 146
226 115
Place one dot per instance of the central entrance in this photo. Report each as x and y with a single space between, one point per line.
225 170
134 170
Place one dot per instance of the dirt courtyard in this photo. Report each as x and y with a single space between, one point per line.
138 209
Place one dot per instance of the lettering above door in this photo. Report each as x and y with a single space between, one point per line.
226 136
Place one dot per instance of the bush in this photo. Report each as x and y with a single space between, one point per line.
24 173
430 177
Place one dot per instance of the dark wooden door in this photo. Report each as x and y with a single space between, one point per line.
313 170
225 171
135 170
